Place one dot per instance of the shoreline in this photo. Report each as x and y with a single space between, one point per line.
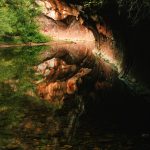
6 45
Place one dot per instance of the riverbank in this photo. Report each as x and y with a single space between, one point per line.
5 45
27 44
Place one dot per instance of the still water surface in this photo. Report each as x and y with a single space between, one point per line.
85 118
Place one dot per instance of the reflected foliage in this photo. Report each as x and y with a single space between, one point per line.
16 65
104 113
20 108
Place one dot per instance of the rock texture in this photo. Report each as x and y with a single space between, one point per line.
56 9
62 21
62 31
65 67
73 25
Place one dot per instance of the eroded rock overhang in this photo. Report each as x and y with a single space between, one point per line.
63 21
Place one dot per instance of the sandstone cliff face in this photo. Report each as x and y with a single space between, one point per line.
56 9
60 30
100 58
65 68
62 21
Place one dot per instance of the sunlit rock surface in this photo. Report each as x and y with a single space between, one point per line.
73 25
61 22
75 96
56 9
70 29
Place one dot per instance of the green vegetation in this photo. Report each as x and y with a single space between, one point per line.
21 116
17 22
17 64
19 104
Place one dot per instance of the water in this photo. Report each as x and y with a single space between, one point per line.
57 97
30 120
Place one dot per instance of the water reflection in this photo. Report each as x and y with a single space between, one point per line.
63 97
30 75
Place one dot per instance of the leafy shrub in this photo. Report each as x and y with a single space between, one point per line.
17 18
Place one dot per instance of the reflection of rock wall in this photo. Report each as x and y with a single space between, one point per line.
71 75
64 68
62 21
55 91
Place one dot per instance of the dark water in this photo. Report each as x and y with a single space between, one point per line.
109 118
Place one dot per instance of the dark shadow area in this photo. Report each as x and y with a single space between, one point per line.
115 117
133 40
